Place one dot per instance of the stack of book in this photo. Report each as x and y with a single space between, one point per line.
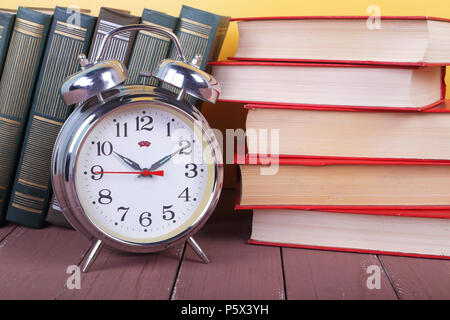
38 50
348 132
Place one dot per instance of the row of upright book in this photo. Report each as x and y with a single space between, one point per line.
348 132
38 50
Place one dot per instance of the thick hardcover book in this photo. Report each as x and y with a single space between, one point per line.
119 47
201 34
347 133
18 79
6 26
331 85
150 48
350 39
31 191
393 235
339 185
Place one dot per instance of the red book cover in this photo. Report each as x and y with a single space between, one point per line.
317 64
440 212
368 62
348 250
340 18
443 107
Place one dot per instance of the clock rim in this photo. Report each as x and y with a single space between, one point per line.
71 138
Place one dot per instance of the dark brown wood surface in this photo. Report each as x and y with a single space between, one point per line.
237 270
317 274
33 265
416 278
5 230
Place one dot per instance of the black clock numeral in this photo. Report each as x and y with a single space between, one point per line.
185 195
105 148
192 173
168 214
104 196
186 147
124 210
118 130
144 219
97 172
168 129
143 123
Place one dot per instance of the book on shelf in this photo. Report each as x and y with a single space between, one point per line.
321 84
150 48
17 83
6 25
352 39
31 192
349 133
201 35
376 234
341 184
119 47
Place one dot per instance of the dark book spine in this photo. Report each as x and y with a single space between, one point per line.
200 33
119 47
17 83
150 48
31 191
6 26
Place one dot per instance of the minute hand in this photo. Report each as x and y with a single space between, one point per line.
163 160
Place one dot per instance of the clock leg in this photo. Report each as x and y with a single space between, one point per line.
95 249
197 249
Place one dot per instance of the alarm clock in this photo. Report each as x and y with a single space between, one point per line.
135 167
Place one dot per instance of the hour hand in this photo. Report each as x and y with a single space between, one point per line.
129 162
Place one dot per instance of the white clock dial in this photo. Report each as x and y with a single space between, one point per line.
143 174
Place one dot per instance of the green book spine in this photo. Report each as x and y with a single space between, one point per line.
6 26
200 33
31 191
150 48
17 83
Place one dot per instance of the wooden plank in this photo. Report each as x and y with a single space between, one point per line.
119 275
237 270
6 230
34 262
415 278
316 274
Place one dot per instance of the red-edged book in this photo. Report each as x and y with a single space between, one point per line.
345 133
406 40
331 85
378 206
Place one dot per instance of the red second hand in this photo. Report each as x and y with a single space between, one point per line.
144 173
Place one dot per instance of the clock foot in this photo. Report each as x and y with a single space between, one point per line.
95 249
197 249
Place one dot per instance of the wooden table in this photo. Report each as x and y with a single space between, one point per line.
33 265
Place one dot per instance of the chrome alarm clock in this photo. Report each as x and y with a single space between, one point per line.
135 167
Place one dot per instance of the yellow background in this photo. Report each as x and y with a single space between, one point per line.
229 115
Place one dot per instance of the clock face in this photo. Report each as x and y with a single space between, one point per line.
144 173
